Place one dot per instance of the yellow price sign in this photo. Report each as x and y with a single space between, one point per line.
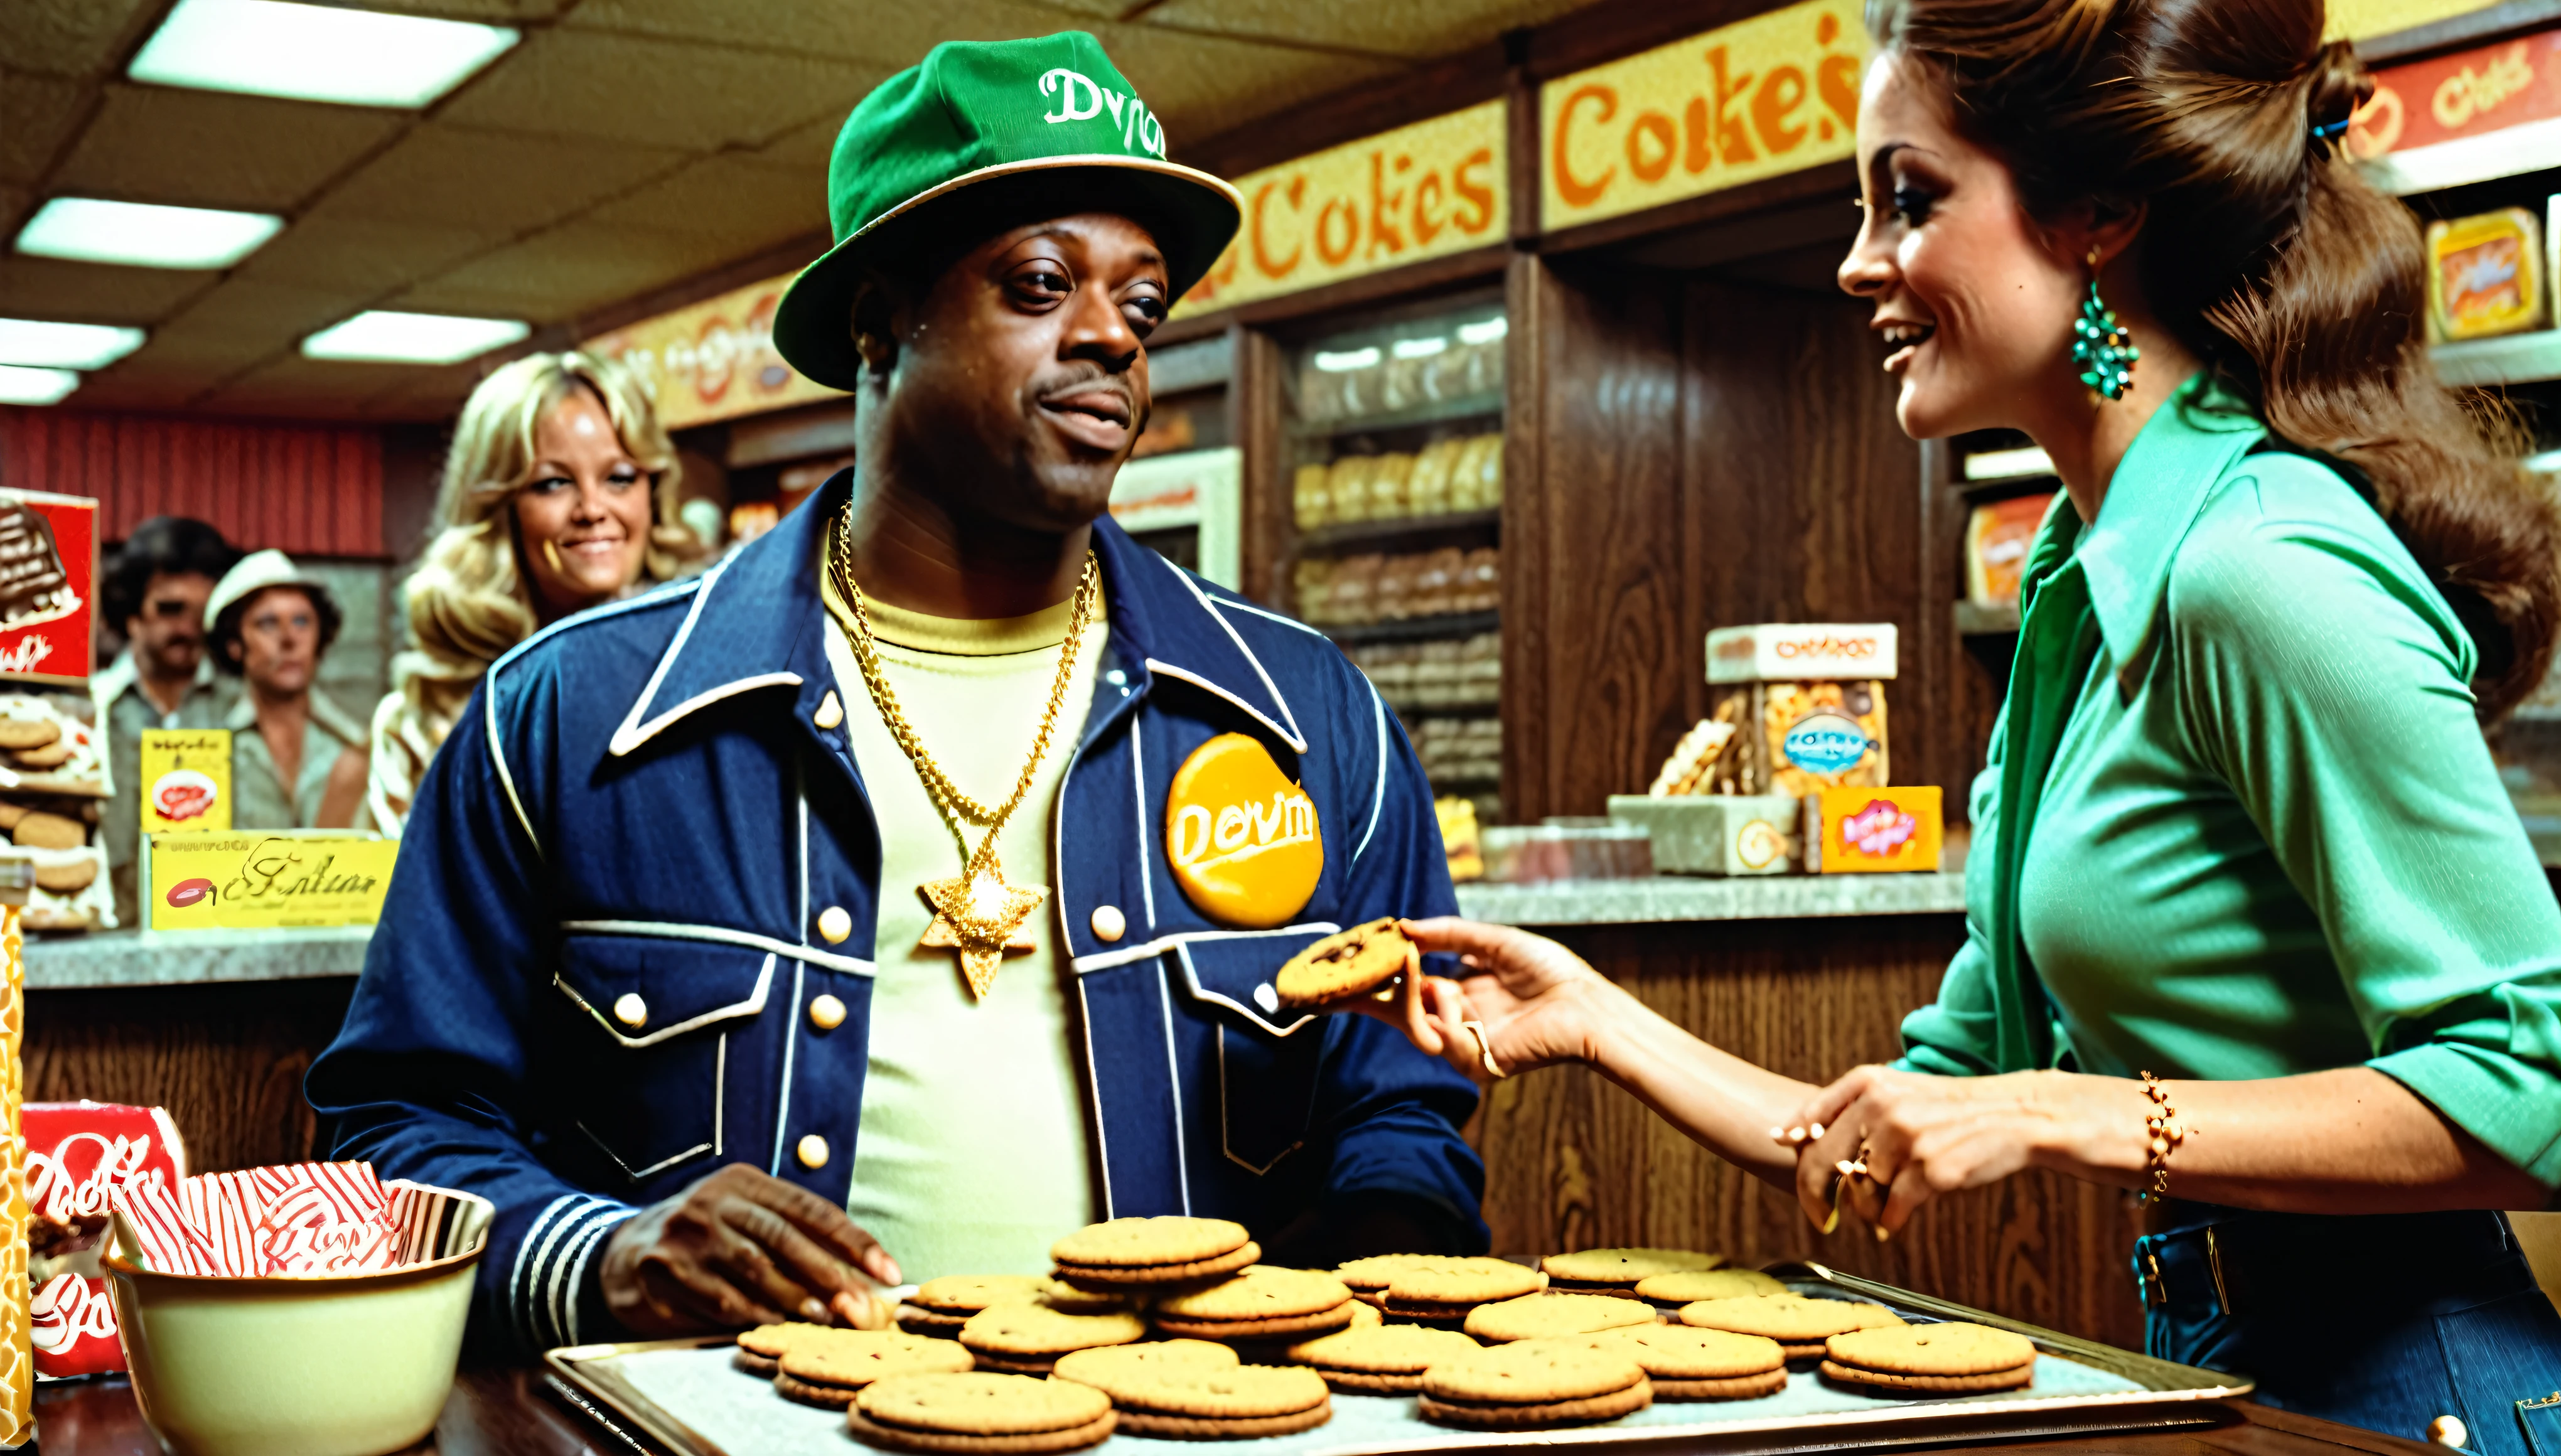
186 780
266 880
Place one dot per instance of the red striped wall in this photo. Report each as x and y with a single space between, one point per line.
306 489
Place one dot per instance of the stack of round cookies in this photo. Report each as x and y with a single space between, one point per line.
1130 1254
1799 1324
1949 1359
1195 1389
1534 1385
1537 1316
1446 1291
1686 1364
1668 1292
939 1307
1028 1339
980 1415
1260 1303
1618 1270
1381 1360
1368 1278
831 1372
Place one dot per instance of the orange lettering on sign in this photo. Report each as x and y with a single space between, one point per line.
1782 92
1568 186
1657 125
1733 143
1837 78
1384 205
1479 196
1325 248
1427 219
1262 260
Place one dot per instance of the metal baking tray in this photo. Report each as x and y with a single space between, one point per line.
683 1397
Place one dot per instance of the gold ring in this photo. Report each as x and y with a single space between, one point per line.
1484 1049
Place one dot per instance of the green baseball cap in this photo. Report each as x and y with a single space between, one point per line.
977 137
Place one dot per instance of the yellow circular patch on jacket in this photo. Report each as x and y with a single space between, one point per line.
1243 840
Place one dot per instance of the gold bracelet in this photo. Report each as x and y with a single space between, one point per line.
2161 1125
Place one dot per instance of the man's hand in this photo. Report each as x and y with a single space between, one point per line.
741 1247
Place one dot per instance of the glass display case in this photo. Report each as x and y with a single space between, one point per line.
1395 471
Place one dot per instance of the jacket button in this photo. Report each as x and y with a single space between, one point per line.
1267 997
630 1010
2447 1431
835 924
1110 923
826 1013
831 711
813 1151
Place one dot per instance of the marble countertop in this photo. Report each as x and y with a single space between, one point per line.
191 958
1674 898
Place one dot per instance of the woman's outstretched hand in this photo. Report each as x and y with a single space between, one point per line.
1530 996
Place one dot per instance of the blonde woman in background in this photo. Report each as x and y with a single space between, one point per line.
558 495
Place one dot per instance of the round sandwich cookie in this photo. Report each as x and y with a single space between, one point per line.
1242 1403
1385 1360
1373 1274
1534 1385
1670 1291
1451 1288
761 1349
1603 1270
1111 1368
1347 963
1260 1303
1533 1316
931 1323
828 1372
1028 1339
1126 1252
1799 1324
967 1294
979 1415
1067 1299
1948 1357
1684 1362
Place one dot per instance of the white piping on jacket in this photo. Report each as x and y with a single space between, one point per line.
676 930
1104 960
753 1002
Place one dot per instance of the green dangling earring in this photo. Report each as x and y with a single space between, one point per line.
2100 347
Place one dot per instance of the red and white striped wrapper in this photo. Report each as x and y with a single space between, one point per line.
307 1220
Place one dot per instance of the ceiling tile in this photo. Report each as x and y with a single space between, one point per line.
50 287
73 36
36 115
241 319
1405 29
567 271
306 387
751 206
890 34
500 182
494 12
130 386
167 145
324 250
1204 84
805 148
657 92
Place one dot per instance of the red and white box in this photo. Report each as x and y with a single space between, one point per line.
80 1155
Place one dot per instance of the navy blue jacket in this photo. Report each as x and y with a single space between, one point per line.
639 801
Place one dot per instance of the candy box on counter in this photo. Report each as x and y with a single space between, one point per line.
78 1156
1807 700
1715 834
1850 831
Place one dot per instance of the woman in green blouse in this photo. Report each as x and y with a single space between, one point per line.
2239 828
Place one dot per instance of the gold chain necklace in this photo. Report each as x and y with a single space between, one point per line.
977 913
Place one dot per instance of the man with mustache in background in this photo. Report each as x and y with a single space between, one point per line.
907 893
155 594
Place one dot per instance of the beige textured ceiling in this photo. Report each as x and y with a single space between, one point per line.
624 147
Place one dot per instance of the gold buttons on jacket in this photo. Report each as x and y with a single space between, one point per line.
835 924
2447 1431
1110 923
831 711
630 1010
813 1151
826 1013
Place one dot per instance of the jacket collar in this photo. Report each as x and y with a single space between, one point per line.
753 621
2160 487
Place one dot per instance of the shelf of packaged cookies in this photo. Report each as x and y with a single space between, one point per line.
1452 527
1475 405
1403 596
1440 676
1434 627
1454 475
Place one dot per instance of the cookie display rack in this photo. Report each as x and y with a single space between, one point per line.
681 1396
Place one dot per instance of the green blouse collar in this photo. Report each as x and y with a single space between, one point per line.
2158 490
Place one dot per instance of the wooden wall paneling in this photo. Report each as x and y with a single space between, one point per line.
1803 504
1259 419
1575 1162
1598 660
227 1060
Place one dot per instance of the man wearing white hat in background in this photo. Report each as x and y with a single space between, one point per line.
297 758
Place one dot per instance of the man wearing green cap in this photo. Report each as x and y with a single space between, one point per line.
908 891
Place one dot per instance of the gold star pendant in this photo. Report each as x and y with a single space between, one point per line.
982 918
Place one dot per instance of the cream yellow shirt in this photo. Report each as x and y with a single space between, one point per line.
973 1155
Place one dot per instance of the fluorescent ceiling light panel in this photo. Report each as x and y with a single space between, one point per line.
414 338
143 235
35 385
65 346
317 53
